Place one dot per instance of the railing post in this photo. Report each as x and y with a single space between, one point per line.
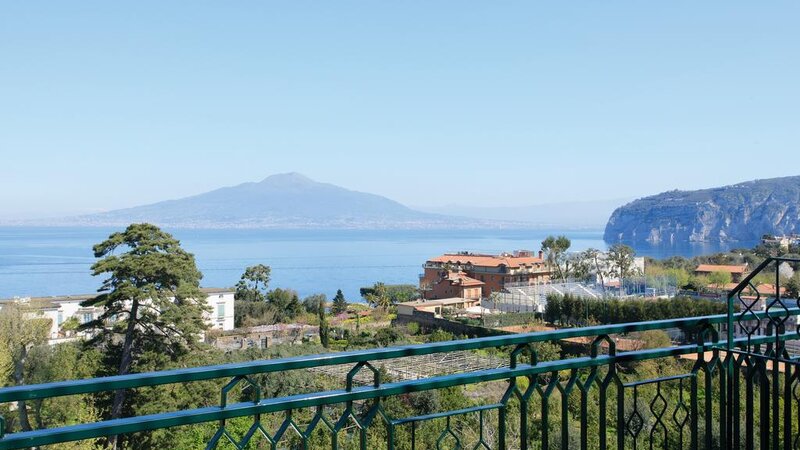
413 435
390 437
764 397
777 354
501 428
728 367
523 425
787 406
724 435
620 415
694 433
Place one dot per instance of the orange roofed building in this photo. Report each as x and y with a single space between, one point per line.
737 271
461 274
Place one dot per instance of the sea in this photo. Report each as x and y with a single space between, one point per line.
50 261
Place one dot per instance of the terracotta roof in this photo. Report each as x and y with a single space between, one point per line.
721 268
462 279
487 260
467 281
766 289
769 289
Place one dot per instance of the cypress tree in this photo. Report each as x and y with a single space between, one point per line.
324 331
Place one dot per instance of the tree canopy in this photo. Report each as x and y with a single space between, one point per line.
720 279
393 293
555 251
19 334
253 284
378 296
570 310
284 303
339 304
312 302
620 258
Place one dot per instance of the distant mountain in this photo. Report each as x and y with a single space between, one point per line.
574 215
741 212
280 201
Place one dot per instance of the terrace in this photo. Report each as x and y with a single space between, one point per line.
728 396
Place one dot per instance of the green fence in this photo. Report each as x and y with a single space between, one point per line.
729 396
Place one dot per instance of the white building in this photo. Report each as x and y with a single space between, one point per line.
67 310
221 303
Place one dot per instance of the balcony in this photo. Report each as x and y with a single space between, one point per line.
737 391
528 271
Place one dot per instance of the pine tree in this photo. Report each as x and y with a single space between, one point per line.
151 300
339 303
252 286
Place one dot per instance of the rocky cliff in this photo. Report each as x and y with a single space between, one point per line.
741 212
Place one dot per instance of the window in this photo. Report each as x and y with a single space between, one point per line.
60 318
87 317
220 310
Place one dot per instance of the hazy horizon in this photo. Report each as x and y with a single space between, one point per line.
443 208
589 214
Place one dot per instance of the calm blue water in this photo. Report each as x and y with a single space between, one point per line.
53 261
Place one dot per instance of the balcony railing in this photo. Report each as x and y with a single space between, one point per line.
739 392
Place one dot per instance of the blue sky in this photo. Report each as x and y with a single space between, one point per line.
105 105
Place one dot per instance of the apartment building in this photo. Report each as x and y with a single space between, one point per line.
493 271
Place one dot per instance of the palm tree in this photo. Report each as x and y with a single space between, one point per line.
555 249
379 297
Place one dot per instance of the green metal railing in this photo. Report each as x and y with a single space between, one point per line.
728 397
767 371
